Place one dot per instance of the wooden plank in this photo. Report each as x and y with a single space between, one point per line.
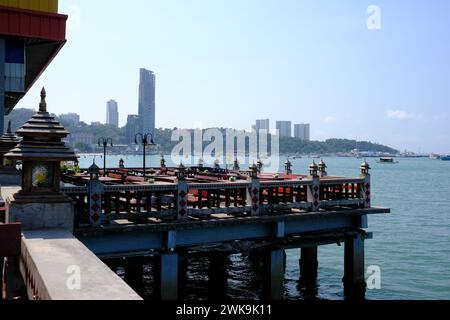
10 240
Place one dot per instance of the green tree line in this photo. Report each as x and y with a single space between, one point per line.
163 137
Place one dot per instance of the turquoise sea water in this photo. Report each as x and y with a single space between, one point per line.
411 245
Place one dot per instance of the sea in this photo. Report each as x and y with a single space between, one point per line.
410 246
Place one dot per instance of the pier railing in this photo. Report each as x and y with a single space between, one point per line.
97 204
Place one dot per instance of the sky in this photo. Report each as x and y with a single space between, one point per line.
226 63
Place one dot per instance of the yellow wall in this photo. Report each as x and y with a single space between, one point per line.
39 5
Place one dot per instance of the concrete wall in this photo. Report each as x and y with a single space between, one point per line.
56 266
36 216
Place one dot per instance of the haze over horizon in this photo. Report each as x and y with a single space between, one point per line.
226 63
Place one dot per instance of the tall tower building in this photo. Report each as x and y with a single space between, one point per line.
284 128
302 131
112 113
263 125
147 107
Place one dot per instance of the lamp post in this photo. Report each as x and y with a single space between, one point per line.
145 141
103 142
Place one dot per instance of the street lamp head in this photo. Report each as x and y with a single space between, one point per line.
144 139
136 138
151 139
102 142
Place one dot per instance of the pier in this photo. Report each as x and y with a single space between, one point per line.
72 224
224 212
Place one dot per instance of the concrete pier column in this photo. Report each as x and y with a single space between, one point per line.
354 281
308 272
273 282
218 275
168 276
134 275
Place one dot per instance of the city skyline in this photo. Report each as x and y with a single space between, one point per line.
386 86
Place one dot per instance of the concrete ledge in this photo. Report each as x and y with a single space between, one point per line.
56 266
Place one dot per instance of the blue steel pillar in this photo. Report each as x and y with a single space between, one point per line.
168 276
218 276
308 272
354 281
2 86
274 275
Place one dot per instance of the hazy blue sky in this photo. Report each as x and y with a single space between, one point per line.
229 62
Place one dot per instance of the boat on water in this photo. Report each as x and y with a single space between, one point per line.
387 160
446 157
434 156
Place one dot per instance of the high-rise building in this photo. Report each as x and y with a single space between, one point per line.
302 131
132 128
112 113
147 107
70 118
284 128
263 125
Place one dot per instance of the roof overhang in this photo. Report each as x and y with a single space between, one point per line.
44 35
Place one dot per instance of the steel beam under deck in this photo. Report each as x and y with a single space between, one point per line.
111 240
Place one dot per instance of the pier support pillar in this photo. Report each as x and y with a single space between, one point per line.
308 272
354 281
183 267
273 283
168 276
134 275
218 275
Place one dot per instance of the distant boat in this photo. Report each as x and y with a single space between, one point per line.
434 156
387 160
446 157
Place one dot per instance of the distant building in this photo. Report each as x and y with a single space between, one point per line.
70 118
147 106
112 113
81 138
263 125
132 128
96 123
284 128
302 131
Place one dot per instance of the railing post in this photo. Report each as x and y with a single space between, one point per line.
95 196
322 169
253 192
314 188
365 189
182 194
